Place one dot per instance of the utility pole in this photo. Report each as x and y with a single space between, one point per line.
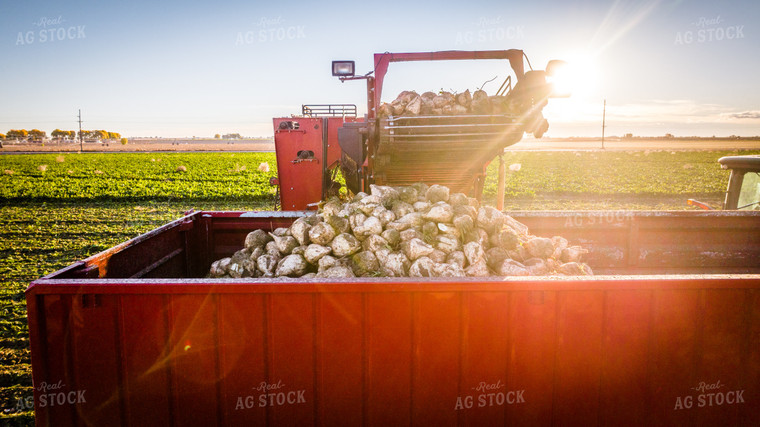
80 130
604 116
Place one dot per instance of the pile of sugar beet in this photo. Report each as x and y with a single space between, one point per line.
411 231
409 103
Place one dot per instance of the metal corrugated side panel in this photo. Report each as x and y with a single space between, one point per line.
585 351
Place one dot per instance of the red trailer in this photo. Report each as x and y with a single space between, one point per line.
668 334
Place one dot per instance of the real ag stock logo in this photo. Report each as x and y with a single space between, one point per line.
489 394
49 395
50 30
709 30
490 29
270 394
271 30
709 394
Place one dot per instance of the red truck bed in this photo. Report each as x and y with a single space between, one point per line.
135 336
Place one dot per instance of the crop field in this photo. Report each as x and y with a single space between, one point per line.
59 208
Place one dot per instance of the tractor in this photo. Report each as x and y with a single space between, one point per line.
743 192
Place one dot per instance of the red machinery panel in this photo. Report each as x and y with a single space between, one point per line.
305 156
122 339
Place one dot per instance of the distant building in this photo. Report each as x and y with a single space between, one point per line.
628 136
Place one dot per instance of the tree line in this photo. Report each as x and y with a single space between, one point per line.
36 134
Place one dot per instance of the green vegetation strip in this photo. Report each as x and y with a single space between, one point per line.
56 209
232 176
612 172
144 176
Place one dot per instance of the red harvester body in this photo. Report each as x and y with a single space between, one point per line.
453 150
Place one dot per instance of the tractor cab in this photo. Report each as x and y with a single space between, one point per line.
743 191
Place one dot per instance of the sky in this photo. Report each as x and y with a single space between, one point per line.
183 69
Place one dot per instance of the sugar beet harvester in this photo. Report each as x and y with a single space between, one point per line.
449 149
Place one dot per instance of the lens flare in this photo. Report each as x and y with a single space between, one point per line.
577 77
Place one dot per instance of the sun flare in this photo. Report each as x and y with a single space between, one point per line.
579 77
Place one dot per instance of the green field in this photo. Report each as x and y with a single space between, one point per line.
56 209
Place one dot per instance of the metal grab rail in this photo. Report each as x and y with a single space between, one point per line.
328 110
505 87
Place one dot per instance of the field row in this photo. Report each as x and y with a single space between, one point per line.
236 176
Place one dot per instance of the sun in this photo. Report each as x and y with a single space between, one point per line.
579 79
579 76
